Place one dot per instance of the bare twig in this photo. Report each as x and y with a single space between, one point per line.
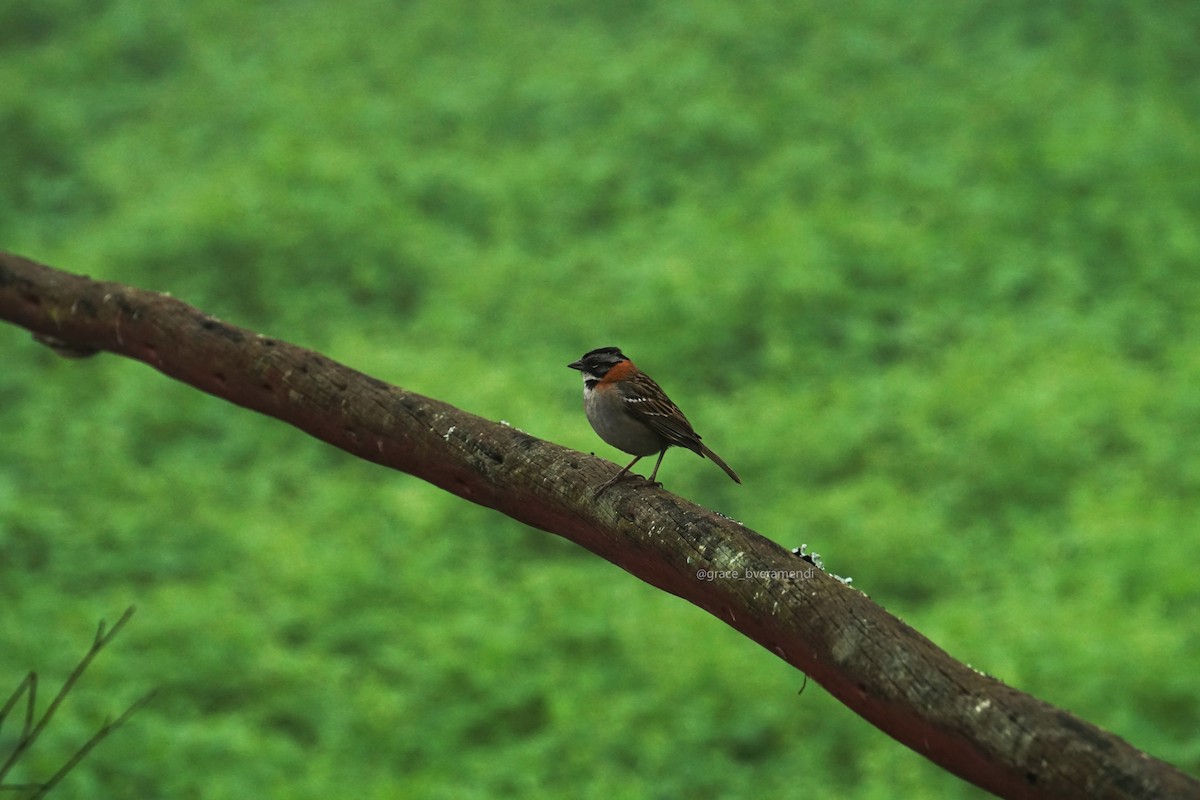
108 727
28 685
31 730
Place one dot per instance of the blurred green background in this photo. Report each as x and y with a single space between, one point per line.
927 275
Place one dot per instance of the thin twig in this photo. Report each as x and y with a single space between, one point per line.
30 730
28 688
99 736
22 687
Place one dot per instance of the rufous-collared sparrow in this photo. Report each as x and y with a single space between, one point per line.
632 413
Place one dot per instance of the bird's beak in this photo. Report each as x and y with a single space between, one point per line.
576 365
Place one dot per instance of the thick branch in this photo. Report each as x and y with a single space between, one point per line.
990 734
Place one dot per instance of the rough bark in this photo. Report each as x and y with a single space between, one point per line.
990 734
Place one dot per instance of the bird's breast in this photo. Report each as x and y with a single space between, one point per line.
612 422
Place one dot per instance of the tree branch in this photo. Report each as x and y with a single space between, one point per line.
990 734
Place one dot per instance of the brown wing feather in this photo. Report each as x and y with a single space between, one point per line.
646 401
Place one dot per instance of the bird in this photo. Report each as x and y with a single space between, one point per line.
631 412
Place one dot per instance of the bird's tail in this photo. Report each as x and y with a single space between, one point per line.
716 459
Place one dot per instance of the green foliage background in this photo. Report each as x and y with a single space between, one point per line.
927 275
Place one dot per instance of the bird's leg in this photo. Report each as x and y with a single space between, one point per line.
657 464
617 477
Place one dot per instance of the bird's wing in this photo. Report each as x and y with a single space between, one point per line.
646 401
